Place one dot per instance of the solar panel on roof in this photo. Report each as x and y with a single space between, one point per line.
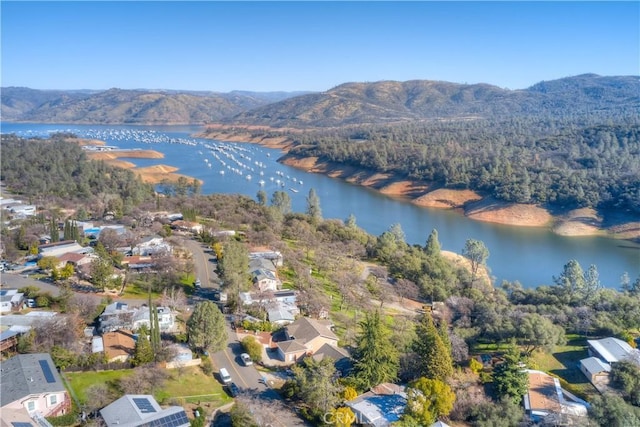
144 405
18 424
46 370
173 420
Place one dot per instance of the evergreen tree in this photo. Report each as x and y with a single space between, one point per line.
377 359
155 328
313 206
281 201
262 198
53 230
432 248
433 353
206 328
317 385
509 378
350 221
143 350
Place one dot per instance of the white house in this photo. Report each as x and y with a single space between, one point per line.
151 245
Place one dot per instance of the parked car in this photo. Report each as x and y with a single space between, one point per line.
233 389
246 359
224 376
197 283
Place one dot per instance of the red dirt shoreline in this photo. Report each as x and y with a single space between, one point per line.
577 222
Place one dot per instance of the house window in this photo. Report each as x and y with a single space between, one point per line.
31 406
53 399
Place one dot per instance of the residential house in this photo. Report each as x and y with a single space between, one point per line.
309 335
135 410
137 262
116 316
381 406
612 350
166 318
291 350
262 263
10 300
118 345
265 280
9 339
75 259
119 315
31 386
595 370
275 256
545 397
57 249
282 314
151 245
604 353
340 356
188 226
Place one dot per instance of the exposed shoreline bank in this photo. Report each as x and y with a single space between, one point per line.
150 174
573 223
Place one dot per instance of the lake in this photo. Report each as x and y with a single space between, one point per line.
531 256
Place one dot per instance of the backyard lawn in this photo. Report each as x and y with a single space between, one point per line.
184 386
80 381
563 363
191 385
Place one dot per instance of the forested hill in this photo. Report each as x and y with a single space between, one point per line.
117 106
391 102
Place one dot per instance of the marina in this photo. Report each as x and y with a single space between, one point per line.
531 256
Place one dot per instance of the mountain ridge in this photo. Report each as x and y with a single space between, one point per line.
351 103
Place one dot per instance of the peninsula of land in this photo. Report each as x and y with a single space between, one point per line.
567 222
154 174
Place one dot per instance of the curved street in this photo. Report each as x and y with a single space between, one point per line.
248 379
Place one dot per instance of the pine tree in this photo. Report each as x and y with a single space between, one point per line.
155 329
510 381
206 327
432 248
377 360
143 350
434 356
313 206
53 230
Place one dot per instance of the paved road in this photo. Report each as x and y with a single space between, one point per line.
247 378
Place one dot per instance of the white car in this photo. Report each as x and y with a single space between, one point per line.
246 359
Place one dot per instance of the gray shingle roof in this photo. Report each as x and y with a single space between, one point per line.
305 329
22 376
126 412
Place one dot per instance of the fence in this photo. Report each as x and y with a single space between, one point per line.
113 366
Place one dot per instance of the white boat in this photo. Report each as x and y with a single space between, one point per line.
293 189
261 182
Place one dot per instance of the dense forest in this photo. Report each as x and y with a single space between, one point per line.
555 161
39 169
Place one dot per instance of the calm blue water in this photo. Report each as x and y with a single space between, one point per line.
530 255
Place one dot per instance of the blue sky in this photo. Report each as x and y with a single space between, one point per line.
289 46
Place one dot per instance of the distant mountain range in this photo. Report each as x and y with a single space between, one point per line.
347 104
117 106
